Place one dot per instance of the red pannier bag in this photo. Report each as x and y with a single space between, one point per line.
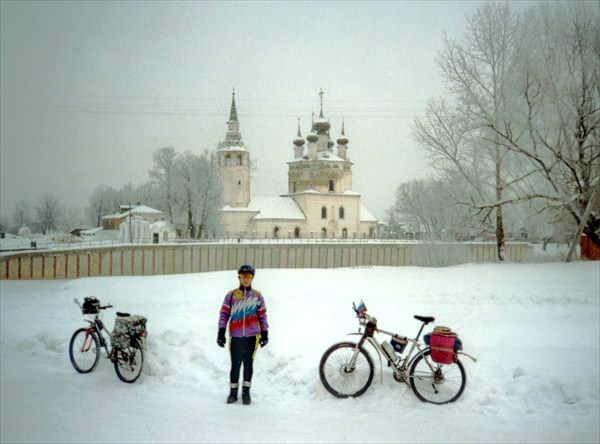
443 344
442 348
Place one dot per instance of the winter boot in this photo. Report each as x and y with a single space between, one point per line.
233 394
246 395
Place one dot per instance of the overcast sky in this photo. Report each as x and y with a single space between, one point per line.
90 89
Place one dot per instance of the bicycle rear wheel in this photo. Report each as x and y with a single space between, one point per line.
129 362
339 377
438 384
84 350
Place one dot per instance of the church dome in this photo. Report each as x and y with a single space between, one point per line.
322 125
342 140
299 140
312 137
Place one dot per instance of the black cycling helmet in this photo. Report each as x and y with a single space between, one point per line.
246 269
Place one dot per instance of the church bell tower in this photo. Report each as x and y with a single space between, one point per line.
234 163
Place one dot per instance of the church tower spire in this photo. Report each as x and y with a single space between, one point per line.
233 117
234 163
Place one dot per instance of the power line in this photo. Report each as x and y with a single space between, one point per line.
205 107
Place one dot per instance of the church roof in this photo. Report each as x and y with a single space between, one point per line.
286 208
271 207
366 216
327 156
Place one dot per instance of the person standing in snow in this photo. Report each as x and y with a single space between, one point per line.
245 311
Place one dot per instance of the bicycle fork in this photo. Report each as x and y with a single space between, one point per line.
88 341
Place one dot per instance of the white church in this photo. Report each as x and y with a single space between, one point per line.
320 202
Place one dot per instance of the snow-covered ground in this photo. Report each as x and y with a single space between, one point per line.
533 327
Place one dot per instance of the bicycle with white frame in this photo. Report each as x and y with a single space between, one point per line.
347 370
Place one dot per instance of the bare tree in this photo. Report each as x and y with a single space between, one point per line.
197 192
49 214
479 72
103 202
559 133
430 207
22 215
162 177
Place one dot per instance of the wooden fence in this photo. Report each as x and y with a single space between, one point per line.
148 260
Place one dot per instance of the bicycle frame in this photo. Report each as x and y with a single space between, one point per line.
97 327
400 364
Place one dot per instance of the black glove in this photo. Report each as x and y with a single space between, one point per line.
264 338
221 337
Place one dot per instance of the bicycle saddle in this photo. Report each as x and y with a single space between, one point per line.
122 315
425 319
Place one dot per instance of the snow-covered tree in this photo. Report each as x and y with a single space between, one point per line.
162 175
430 207
197 192
558 135
22 215
49 214
102 202
479 71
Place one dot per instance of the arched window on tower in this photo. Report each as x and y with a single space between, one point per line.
228 160
297 233
331 185
239 160
342 213
323 213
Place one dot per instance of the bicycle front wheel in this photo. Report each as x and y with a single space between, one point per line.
128 362
436 383
84 350
340 377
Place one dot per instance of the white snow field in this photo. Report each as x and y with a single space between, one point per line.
533 327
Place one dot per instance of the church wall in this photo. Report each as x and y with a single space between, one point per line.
233 223
312 205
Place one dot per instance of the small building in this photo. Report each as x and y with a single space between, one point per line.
141 212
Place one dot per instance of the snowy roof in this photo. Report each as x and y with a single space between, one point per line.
271 207
329 193
366 216
322 155
138 209
286 208
231 148
162 225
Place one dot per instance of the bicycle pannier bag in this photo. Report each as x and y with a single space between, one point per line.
127 329
444 344
442 349
399 343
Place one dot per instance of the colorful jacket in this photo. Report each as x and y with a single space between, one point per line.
245 310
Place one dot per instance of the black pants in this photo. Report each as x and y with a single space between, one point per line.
242 351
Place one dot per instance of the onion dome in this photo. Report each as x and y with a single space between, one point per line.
312 137
322 125
342 140
299 141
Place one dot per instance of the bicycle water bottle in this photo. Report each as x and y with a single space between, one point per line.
389 351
